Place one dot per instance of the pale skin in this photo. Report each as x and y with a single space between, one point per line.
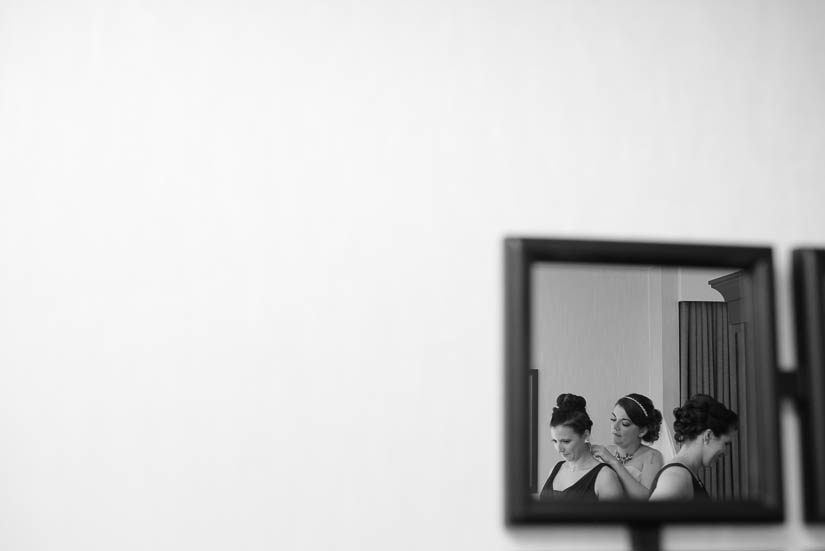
627 440
702 451
575 450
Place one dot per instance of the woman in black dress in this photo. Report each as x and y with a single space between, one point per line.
580 476
704 427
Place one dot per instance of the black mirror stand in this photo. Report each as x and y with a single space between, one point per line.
788 382
645 537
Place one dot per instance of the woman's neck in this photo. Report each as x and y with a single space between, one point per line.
629 450
580 463
690 455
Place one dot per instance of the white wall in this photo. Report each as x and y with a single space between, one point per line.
251 251
592 337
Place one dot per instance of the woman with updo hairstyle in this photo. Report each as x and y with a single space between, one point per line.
704 428
633 422
580 476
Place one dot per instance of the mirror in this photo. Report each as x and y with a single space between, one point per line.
604 320
809 305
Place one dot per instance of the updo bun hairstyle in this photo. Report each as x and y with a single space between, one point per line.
570 412
700 413
640 410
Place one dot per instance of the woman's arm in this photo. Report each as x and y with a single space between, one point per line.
653 463
608 485
632 487
673 484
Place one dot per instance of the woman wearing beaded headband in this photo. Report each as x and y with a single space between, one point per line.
633 421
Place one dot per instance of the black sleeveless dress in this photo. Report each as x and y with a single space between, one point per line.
699 492
583 490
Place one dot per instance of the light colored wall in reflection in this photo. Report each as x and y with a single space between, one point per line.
592 338
693 283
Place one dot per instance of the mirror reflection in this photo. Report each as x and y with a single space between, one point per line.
639 384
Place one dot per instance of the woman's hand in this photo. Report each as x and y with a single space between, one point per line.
600 452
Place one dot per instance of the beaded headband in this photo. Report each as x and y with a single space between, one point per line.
638 404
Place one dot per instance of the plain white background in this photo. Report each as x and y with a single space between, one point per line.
251 251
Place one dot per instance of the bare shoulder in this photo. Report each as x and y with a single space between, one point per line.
673 484
607 475
652 456
608 485
676 475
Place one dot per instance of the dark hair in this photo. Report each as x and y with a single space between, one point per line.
700 413
570 412
642 413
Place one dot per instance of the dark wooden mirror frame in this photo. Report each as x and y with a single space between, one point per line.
809 306
520 508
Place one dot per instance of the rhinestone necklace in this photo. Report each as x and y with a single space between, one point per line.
623 458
